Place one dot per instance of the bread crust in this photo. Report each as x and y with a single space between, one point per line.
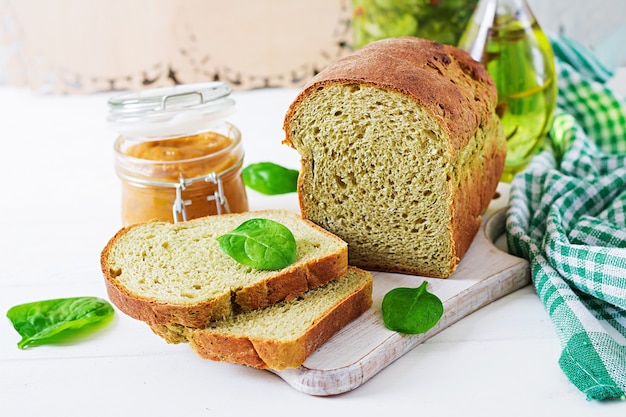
279 355
286 284
475 192
446 81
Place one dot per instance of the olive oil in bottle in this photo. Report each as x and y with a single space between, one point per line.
505 36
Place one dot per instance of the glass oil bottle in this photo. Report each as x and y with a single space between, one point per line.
505 36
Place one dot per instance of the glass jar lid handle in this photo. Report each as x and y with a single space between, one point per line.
167 97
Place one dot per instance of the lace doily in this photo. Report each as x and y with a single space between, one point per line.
71 47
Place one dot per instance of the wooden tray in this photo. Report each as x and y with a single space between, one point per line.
365 347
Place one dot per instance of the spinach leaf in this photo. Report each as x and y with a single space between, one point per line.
56 320
411 310
261 244
270 178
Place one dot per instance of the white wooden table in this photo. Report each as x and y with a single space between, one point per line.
60 204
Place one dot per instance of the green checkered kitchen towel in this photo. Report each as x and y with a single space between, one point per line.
567 216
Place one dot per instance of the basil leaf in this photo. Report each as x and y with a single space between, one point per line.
411 310
269 178
261 244
51 321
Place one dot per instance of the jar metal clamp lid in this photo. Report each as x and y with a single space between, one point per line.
170 111
175 112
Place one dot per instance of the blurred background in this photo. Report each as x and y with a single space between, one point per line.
77 46
599 25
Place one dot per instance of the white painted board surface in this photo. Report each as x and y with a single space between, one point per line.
365 347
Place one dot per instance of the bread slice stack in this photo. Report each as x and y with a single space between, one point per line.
175 278
282 335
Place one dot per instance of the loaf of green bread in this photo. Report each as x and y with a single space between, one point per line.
401 151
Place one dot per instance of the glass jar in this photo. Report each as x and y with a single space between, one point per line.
176 155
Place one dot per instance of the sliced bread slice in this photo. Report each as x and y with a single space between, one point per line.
163 273
282 335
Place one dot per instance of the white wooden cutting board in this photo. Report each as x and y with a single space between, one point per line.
365 347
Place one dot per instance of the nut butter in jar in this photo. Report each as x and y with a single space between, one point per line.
176 155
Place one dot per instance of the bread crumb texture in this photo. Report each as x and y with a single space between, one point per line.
368 154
